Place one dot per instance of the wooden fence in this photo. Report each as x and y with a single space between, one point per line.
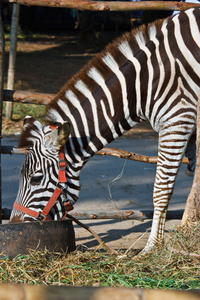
36 292
40 98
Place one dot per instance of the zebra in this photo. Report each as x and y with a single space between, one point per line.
151 73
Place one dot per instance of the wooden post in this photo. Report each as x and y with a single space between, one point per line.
192 208
12 57
1 93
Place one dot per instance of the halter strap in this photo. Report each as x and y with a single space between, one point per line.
26 210
43 215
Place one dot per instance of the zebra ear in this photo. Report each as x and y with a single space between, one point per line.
58 137
63 133
28 121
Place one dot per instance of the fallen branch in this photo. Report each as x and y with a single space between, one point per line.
101 243
132 156
182 252
110 215
123 214
105 151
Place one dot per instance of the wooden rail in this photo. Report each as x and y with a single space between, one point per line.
27 97
104 151
108 6
39 292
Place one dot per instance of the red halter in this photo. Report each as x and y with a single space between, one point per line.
43 215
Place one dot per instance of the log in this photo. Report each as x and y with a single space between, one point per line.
27 97
123 214
108 6
111 215
42 292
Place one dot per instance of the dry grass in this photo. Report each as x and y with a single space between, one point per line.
160 269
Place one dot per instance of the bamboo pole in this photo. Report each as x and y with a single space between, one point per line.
12 57
108 6
1 94
42 292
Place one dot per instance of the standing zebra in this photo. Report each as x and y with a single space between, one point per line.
151 73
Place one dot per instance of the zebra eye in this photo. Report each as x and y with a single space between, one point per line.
36 179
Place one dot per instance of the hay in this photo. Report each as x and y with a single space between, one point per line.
162 268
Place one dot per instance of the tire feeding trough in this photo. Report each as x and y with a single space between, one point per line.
20 238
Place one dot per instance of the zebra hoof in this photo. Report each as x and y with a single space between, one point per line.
189 173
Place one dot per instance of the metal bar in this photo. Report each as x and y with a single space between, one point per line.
108 6
1 94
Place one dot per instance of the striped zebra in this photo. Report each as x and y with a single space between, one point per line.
151 73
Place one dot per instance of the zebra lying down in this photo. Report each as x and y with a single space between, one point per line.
151 73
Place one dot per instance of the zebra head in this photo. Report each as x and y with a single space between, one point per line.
40 170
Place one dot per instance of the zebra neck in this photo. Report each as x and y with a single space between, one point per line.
106 112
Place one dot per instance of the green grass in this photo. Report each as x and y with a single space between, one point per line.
20 111
160 269
100 269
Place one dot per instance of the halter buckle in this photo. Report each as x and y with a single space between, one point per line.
62 164
68 206
41 217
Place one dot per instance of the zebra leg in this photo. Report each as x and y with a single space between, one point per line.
190 152
170 152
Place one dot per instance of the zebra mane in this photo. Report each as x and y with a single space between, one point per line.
32 130
136 38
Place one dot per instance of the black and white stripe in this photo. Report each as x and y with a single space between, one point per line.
149 74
